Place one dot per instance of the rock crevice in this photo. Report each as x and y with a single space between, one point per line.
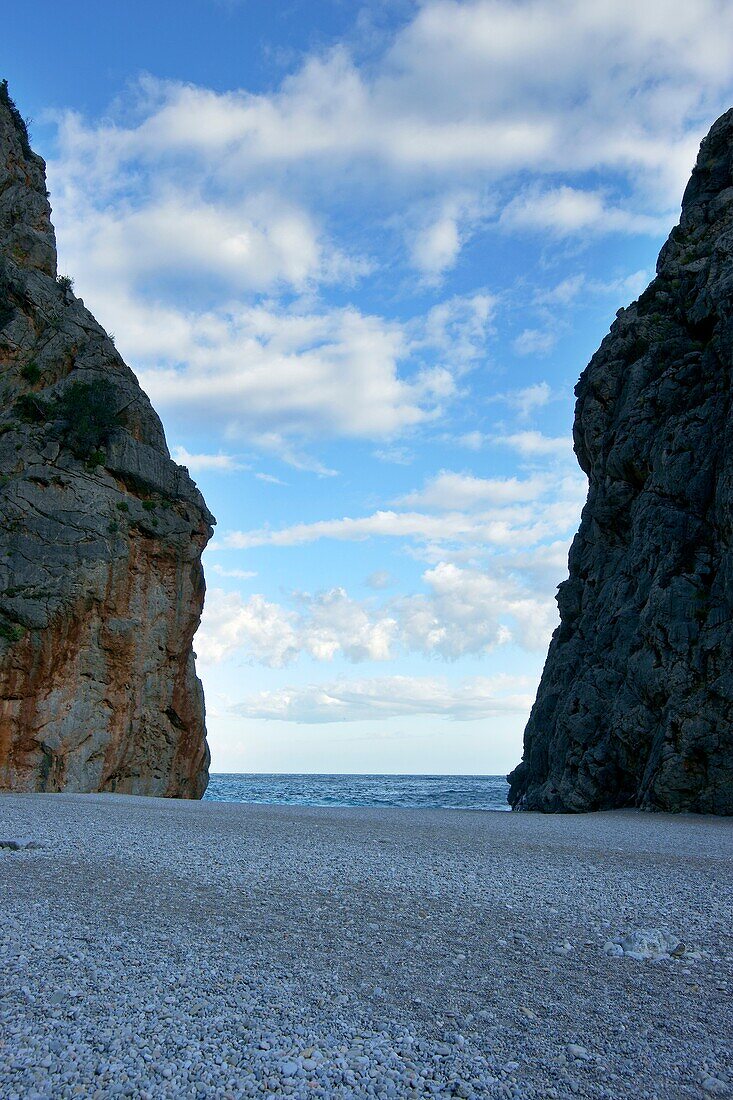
635 705
101 535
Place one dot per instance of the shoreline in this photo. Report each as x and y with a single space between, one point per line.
169 948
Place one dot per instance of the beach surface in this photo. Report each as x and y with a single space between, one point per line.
154 948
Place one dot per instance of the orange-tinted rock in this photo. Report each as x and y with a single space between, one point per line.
101 535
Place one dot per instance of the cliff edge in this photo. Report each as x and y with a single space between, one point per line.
635 705
101 535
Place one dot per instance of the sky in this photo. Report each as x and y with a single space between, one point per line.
358 255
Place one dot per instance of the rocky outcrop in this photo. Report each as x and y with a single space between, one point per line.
635 706
101 534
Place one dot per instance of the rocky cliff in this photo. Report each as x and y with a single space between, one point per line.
101 534
635 706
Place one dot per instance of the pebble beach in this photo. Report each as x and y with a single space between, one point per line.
154 948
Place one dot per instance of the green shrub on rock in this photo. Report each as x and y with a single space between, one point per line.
89 415
10 632
31 372
32 408
86 412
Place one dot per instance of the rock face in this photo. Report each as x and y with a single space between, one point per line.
635 706
101 534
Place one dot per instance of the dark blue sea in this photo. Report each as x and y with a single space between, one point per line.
448 792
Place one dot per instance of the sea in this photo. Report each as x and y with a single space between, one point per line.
446 792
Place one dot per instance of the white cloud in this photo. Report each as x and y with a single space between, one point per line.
462 611
398 456
449 491
258 372
568 290
535 341
334 623
256 244
270 479
563 293
322 626
458 327
531 444
472 441
473 611
255 625
522 513
464 99
527 400
195 463
436 247
381 524
542 567
391 697
236 574
436 244
274 375
487 86
568 210
381 578
488 83
625 288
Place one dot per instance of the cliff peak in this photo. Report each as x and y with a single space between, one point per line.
101 535
26 232
635 705
713 171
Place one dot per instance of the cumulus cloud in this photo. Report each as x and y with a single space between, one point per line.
462 611
259 372
570 289
256 245
533 341
380 578
278 370
523 513
322 626
270 479
420 526
527 400
277 375
197 462
486 84
442 232
236 574
532 444
255 626
472 441
473 611
569 210
436 246
465 98
449 491
391 697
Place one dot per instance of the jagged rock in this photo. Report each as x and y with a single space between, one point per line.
635 706
101 534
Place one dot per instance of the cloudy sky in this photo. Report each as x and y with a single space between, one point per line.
358 255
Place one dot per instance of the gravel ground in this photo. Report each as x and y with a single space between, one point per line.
153 948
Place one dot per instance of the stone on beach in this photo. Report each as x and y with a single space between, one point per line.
177 949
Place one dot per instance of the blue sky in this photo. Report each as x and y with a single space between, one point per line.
358 256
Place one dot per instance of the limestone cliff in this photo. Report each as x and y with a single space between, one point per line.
635 706
101 534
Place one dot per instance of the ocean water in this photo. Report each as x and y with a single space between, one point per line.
449 792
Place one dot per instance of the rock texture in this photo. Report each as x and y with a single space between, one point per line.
101 534
635 706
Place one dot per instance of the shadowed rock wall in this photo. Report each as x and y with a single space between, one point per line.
635 706
101 534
